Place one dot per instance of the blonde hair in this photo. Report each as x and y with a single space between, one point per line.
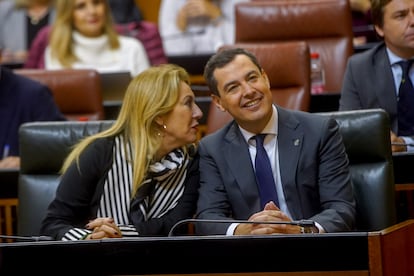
61 41
151 94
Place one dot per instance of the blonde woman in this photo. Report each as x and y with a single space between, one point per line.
83 36
20 21
140 176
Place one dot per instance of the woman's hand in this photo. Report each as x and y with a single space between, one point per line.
103 228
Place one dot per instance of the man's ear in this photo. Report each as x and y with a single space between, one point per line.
217 101
266 78
379 30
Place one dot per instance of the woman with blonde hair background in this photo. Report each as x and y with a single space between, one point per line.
84 36
140 176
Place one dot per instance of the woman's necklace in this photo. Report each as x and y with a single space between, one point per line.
37 14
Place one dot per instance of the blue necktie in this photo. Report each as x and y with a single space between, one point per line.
406 102
264 174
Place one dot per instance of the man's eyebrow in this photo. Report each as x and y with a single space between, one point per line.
229 84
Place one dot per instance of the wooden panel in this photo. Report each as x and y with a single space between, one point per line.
8 216
391 251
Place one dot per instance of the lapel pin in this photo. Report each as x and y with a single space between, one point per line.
296 142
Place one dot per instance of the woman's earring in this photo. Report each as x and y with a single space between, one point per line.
159 132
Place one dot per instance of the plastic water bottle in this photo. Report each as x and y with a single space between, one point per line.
317 74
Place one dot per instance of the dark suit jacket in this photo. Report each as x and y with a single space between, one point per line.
369 83
22 100
314 173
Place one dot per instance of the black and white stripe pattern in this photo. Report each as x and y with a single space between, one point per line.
168 175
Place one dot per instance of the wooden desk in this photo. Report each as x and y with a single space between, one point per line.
404 183
391 251
8 201
384 253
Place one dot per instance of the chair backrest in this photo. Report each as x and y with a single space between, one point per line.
43 148
366 135
77 92
326 25
287 64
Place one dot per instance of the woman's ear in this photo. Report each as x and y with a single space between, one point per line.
159 120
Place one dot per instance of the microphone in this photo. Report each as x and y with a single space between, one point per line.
305 224
23 238
402 144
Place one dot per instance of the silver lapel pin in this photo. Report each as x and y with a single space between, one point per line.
296 142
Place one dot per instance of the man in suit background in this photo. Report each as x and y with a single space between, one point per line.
306 152
372 78
21 100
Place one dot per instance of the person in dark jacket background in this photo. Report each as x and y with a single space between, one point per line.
22 100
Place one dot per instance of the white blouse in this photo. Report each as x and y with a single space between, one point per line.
95 53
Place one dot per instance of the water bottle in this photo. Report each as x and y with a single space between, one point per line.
317 74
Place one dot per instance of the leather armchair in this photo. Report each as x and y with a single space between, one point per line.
77 92
43 148
366 135
44 145
326 25
287 64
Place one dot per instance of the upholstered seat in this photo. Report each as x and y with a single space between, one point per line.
366 135
77 92
43 148
326 25
367 143
44 145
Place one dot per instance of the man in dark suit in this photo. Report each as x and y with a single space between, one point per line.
21 100
306 152
372 78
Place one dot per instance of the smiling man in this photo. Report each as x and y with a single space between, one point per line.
308 175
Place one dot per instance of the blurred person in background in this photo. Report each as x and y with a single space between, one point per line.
190 27
362 25
20 21
373 77
84 36
22 100
128 21
125 11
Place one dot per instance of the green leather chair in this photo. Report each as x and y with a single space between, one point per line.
44 145
43 148
366 135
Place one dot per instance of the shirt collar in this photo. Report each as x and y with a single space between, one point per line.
393 57
270 128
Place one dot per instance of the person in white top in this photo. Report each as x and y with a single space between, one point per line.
190 27
83 36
